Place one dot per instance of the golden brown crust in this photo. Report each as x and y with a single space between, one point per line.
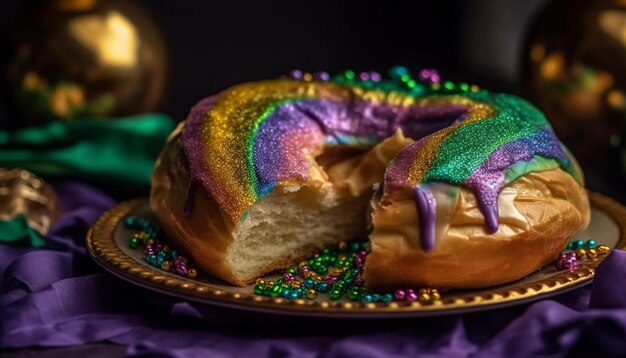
190 233
551 207
205 234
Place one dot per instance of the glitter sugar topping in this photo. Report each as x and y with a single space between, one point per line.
250 138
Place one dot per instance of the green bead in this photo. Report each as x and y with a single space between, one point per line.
349 74
580 244
278 281
354 295
591 244
570 246
464 87
133 242
355 246
366 298
448 85
259 290
335 294
321 269
375 297
276 291
387 297
291 271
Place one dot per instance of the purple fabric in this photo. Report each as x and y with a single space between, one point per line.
59 297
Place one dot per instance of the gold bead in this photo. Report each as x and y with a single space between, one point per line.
166 248
307 77
303 264
311 293
165 266
580 253
424 290
150 242
603 249
295 284
343 245
192 273
260 282
592 253
342 257
424 297
435 295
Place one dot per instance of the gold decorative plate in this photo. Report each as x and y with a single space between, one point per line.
107 242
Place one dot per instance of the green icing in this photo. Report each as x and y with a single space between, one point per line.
537 164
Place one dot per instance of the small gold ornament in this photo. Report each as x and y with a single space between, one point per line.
86 58
22 192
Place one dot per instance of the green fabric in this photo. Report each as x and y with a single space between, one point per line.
17 231
121 150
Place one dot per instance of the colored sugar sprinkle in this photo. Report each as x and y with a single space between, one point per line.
157 252
335 273
578 250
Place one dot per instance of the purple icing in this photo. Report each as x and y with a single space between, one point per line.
426 205
489 179
305 124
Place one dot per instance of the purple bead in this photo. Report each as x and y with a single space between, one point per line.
295 74
411 295
159 247
180 265
399 295
358 260
316 256
359 281
566 261
288 277
375 76
429 75
330 279
322 76
570 254
364 76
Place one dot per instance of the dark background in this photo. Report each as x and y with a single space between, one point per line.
215 44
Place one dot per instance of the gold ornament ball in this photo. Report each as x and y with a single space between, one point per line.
574 71
86 58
